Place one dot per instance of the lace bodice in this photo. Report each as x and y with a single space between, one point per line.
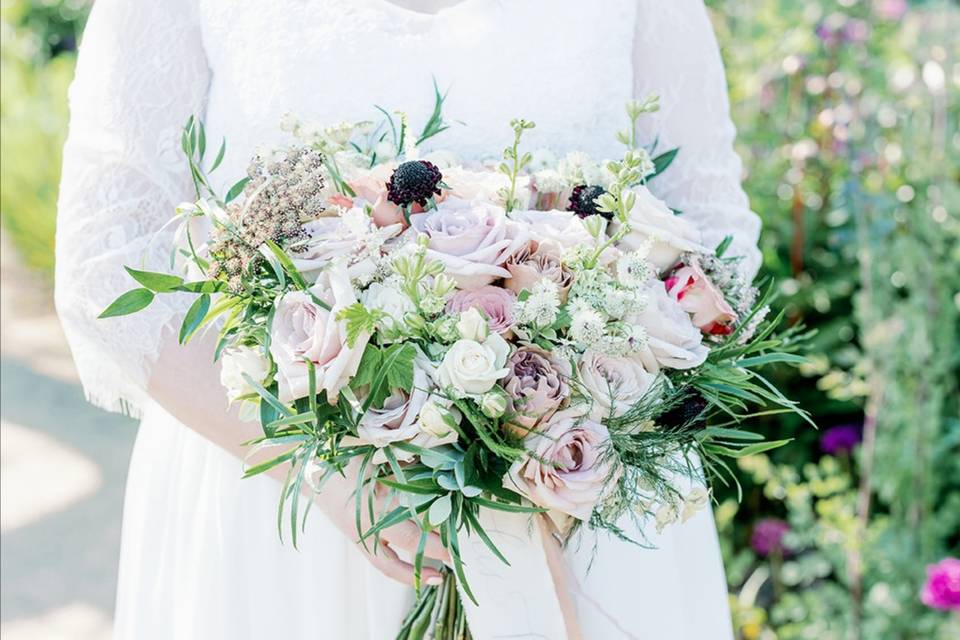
145 66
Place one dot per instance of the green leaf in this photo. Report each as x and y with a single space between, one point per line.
439 510
400 372
236 190
420 488
201 286
220 154
506 506
750 450
268 396
292 270
195 315
359 320
129 302
158 282
662 161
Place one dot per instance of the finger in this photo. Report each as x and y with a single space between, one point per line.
389 563
406 536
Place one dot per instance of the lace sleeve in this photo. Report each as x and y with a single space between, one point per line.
676 56
140 74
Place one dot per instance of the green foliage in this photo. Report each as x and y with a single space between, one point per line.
847 117
36 64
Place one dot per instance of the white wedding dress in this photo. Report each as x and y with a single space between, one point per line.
200 557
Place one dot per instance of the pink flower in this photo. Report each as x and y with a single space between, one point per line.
536 386
942 588
568 466
698 296
472 239
303 329
528 266
371 187
496 304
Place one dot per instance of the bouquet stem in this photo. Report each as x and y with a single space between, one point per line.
437 614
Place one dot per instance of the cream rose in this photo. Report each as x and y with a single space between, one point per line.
554 230
471 368
568 465
486 185
303 329
351 237
614 384
652 221
673 341
699 297
234 363
391 301
473 240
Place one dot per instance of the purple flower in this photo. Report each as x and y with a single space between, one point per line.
942 588
767 536
841 439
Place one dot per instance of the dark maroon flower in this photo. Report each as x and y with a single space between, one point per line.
841 439
415 181
767 536
583 201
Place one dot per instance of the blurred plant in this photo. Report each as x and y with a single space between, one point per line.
36 63
849 131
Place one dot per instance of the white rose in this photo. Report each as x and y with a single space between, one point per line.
485 185
390 300
652 221
303 329
351 237
471 368
673 341
615 384
473 326
435 420
234 363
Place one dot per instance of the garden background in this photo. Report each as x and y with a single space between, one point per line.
848 119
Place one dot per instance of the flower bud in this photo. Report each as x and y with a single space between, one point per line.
473 326
493 403
435 420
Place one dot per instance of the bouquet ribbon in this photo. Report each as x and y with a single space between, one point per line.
533 596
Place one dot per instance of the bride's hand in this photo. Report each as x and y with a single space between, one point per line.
336 501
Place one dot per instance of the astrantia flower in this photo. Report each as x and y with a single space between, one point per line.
767 536
942 588
587 326
634 270
540 309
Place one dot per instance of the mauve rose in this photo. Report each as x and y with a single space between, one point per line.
536 386
652 221
303 329
615 384
942 588
473 240
568 466
528 266
496 304
398 420
699 297
673 341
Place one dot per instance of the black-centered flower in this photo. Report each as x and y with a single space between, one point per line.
414 181
688 414
583 201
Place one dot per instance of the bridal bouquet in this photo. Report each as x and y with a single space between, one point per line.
536 335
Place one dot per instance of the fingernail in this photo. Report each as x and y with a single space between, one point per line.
435 581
